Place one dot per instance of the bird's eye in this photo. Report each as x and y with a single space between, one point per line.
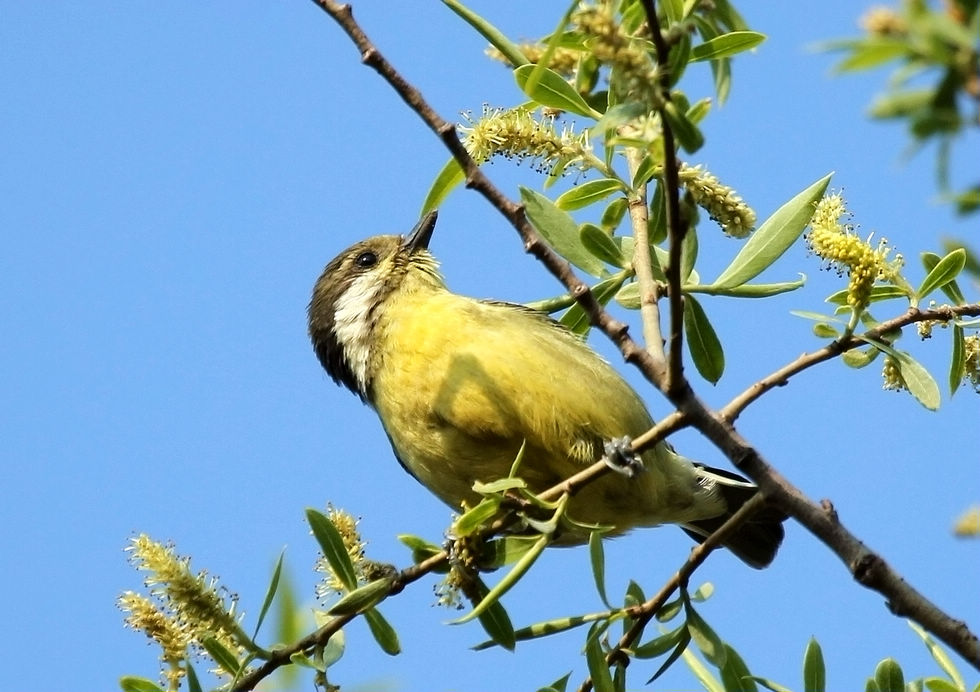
366 259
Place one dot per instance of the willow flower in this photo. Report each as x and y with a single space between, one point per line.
842 248
721 202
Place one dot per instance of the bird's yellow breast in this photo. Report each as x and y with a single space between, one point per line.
460 384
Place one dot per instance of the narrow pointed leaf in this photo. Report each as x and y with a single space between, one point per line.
193 682
735 674
947 269
133 683
702 342
957 362
687 133
814 671
704 676
576 319
332 546
889 677
746 290
706 639
773 237
602 246
222 656
331 652
360 599
939 655
587 193
519 569
596 660
547 628
474 518
421 548
383 632
771 685
552 91
448 178
598 559
505 550
495 620
885 292
662 644
726 45
270 593
682 643
951 289
920 383
559 230
689 253
496 38
856 358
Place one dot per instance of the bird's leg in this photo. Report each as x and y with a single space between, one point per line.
621 458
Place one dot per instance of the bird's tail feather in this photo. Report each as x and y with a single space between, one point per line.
755 541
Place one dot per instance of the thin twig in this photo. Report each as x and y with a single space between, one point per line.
781 376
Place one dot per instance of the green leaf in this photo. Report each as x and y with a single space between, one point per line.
270 593
421 548
858 359
332 546
735 674
662 644
773 237
668 611
448 178
871 52
222 656
596 660
702 342
558 685
687 133
133 683
553 91
673 10
885 292
939 655
576 320
746 290
936 684
496 38
587 193
193 683
559 230
703 592
951 289
888 676
498 486
383 632
598 560
957 362
644 171
704 676
601 245
814 671
505 550
495 620
682 643
613 214
618 115
770 685
825 331
548 627
360 599
689 253
947 269
473 519
331 652
919 382
706 639
519 569
726 45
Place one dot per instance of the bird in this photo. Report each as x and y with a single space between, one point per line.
462 384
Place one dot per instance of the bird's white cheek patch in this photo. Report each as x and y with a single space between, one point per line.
351 326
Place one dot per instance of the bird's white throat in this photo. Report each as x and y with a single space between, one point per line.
352 325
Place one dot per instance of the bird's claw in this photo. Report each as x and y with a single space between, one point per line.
621 458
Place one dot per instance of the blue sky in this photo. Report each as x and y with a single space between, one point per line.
174 179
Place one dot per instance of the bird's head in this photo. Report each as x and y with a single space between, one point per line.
352 294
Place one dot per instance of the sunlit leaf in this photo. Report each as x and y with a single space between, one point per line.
726 45
448 178
362 598
735 675
596 661
221 655
704 676
383 632
598 560
587 193
270 592
706 639
519 569
133 683
773 237
553 91
475 518
702 342
496 38
814 671
559 230
957 362
947 269
889 677
332 546
601 245
920 383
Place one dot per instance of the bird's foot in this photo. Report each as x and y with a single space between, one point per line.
621 458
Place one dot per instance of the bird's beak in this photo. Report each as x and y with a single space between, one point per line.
422 233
